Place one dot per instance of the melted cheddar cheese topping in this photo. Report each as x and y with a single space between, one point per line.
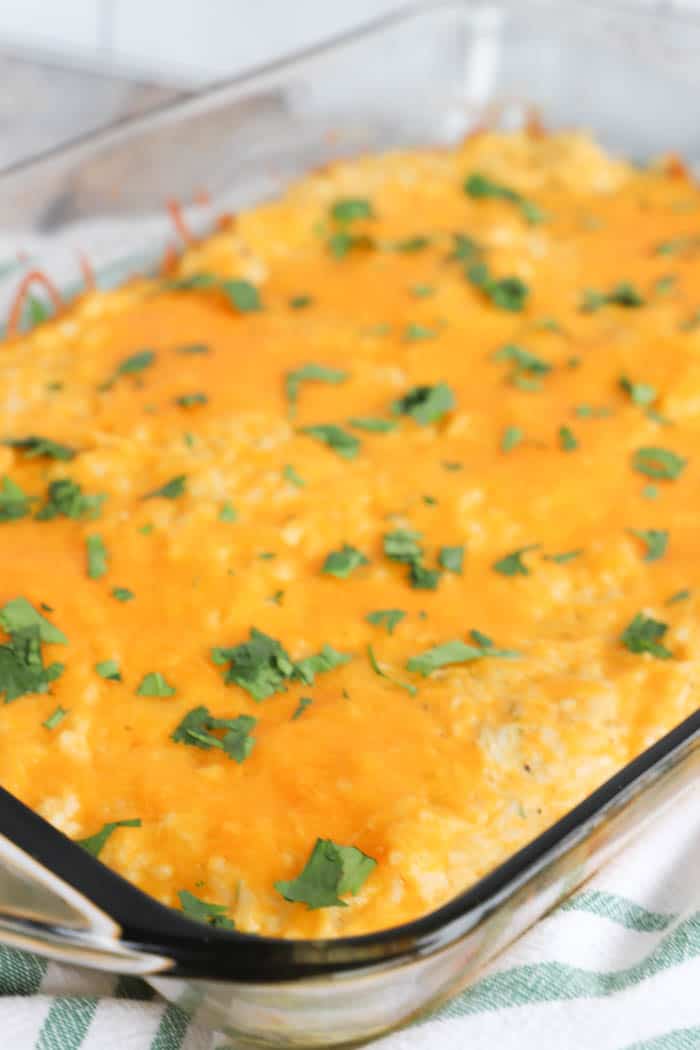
377 524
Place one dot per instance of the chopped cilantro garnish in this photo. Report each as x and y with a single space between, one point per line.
135 363
343 562
19 614
192 282
422 291
567 439
340 441
452 465
300 302
650 492
203 911
40 446
304 702
342 243
426 404
458 652
678 246
407 245
522 360
586 411
327 660
665 284
193 348
641 393
389 618
430 501
512 564
14 504
451 558
479 186
94 844
55 718
310 373
289 474
508 293
228 512
96 556
146 529
376 667
198 726
109 669
512 437
66 498
402 545
330 872
170 490
644 634
415 333
464 249
679 596
348 209
658 463
262 666
422 578
154 684
122 594
655 540
190 400
564 557
22 668
243 295
373 424
623 294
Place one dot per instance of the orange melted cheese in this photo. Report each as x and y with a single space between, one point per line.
440 786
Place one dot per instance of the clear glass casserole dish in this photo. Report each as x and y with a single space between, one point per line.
427 76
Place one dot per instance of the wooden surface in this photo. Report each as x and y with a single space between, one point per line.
43 105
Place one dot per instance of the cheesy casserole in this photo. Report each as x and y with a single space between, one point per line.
341 561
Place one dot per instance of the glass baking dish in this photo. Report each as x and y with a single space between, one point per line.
425 76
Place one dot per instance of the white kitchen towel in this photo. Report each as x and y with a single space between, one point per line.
617 967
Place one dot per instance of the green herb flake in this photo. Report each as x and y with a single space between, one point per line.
55 718
109 669
402 545
136 363
658 463
644 635
300 302
451 559
19 614
343 562
376 667
66 498
327 660
623 294
422 291
289 474
203 911
586 411
388 618
480 186
512 564
678 246
458 652
154 684
33 446
567 439
172 489
193 348
198 729
416 333
664 285
507 293
349 209
310 373
97 557
522 360
14 503
512 437
340 441
243 295
304 702
422 578
642 394
228 512
94 844
373 425
123 594
564 556
331 871
261 665
342 243
407 245
679 596
190 400
426 404
655 541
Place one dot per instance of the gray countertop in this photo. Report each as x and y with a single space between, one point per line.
43 105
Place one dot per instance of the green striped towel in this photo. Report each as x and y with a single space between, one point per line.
617 967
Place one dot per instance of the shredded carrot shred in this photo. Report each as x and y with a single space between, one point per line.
88 273
181 227
34 276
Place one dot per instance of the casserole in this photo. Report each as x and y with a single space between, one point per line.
397 971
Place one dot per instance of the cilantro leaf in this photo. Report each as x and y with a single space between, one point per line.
190 400
507 293
480 186
19 614
33 446
22 668
374 664
197 729
304 702
422 578
228 512
567 439
403 545
641 393
14 504
243 295
343 562
331 870
123 594
658 463
340 441
373 424
348 209
300 302
656 541
416 333
522 360
623 294
94 844
451 558
564 557
342 243
136 363
389 618
170 490
457 652
193 348
154 684
66 498
512 437
109 669
289 474
203 911
55 718
512 564
310 373
679 596
261 665
426 404
327 660
644 634
96 556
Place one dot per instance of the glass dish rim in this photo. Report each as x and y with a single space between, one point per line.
209 953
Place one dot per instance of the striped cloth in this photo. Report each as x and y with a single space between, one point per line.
617 967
